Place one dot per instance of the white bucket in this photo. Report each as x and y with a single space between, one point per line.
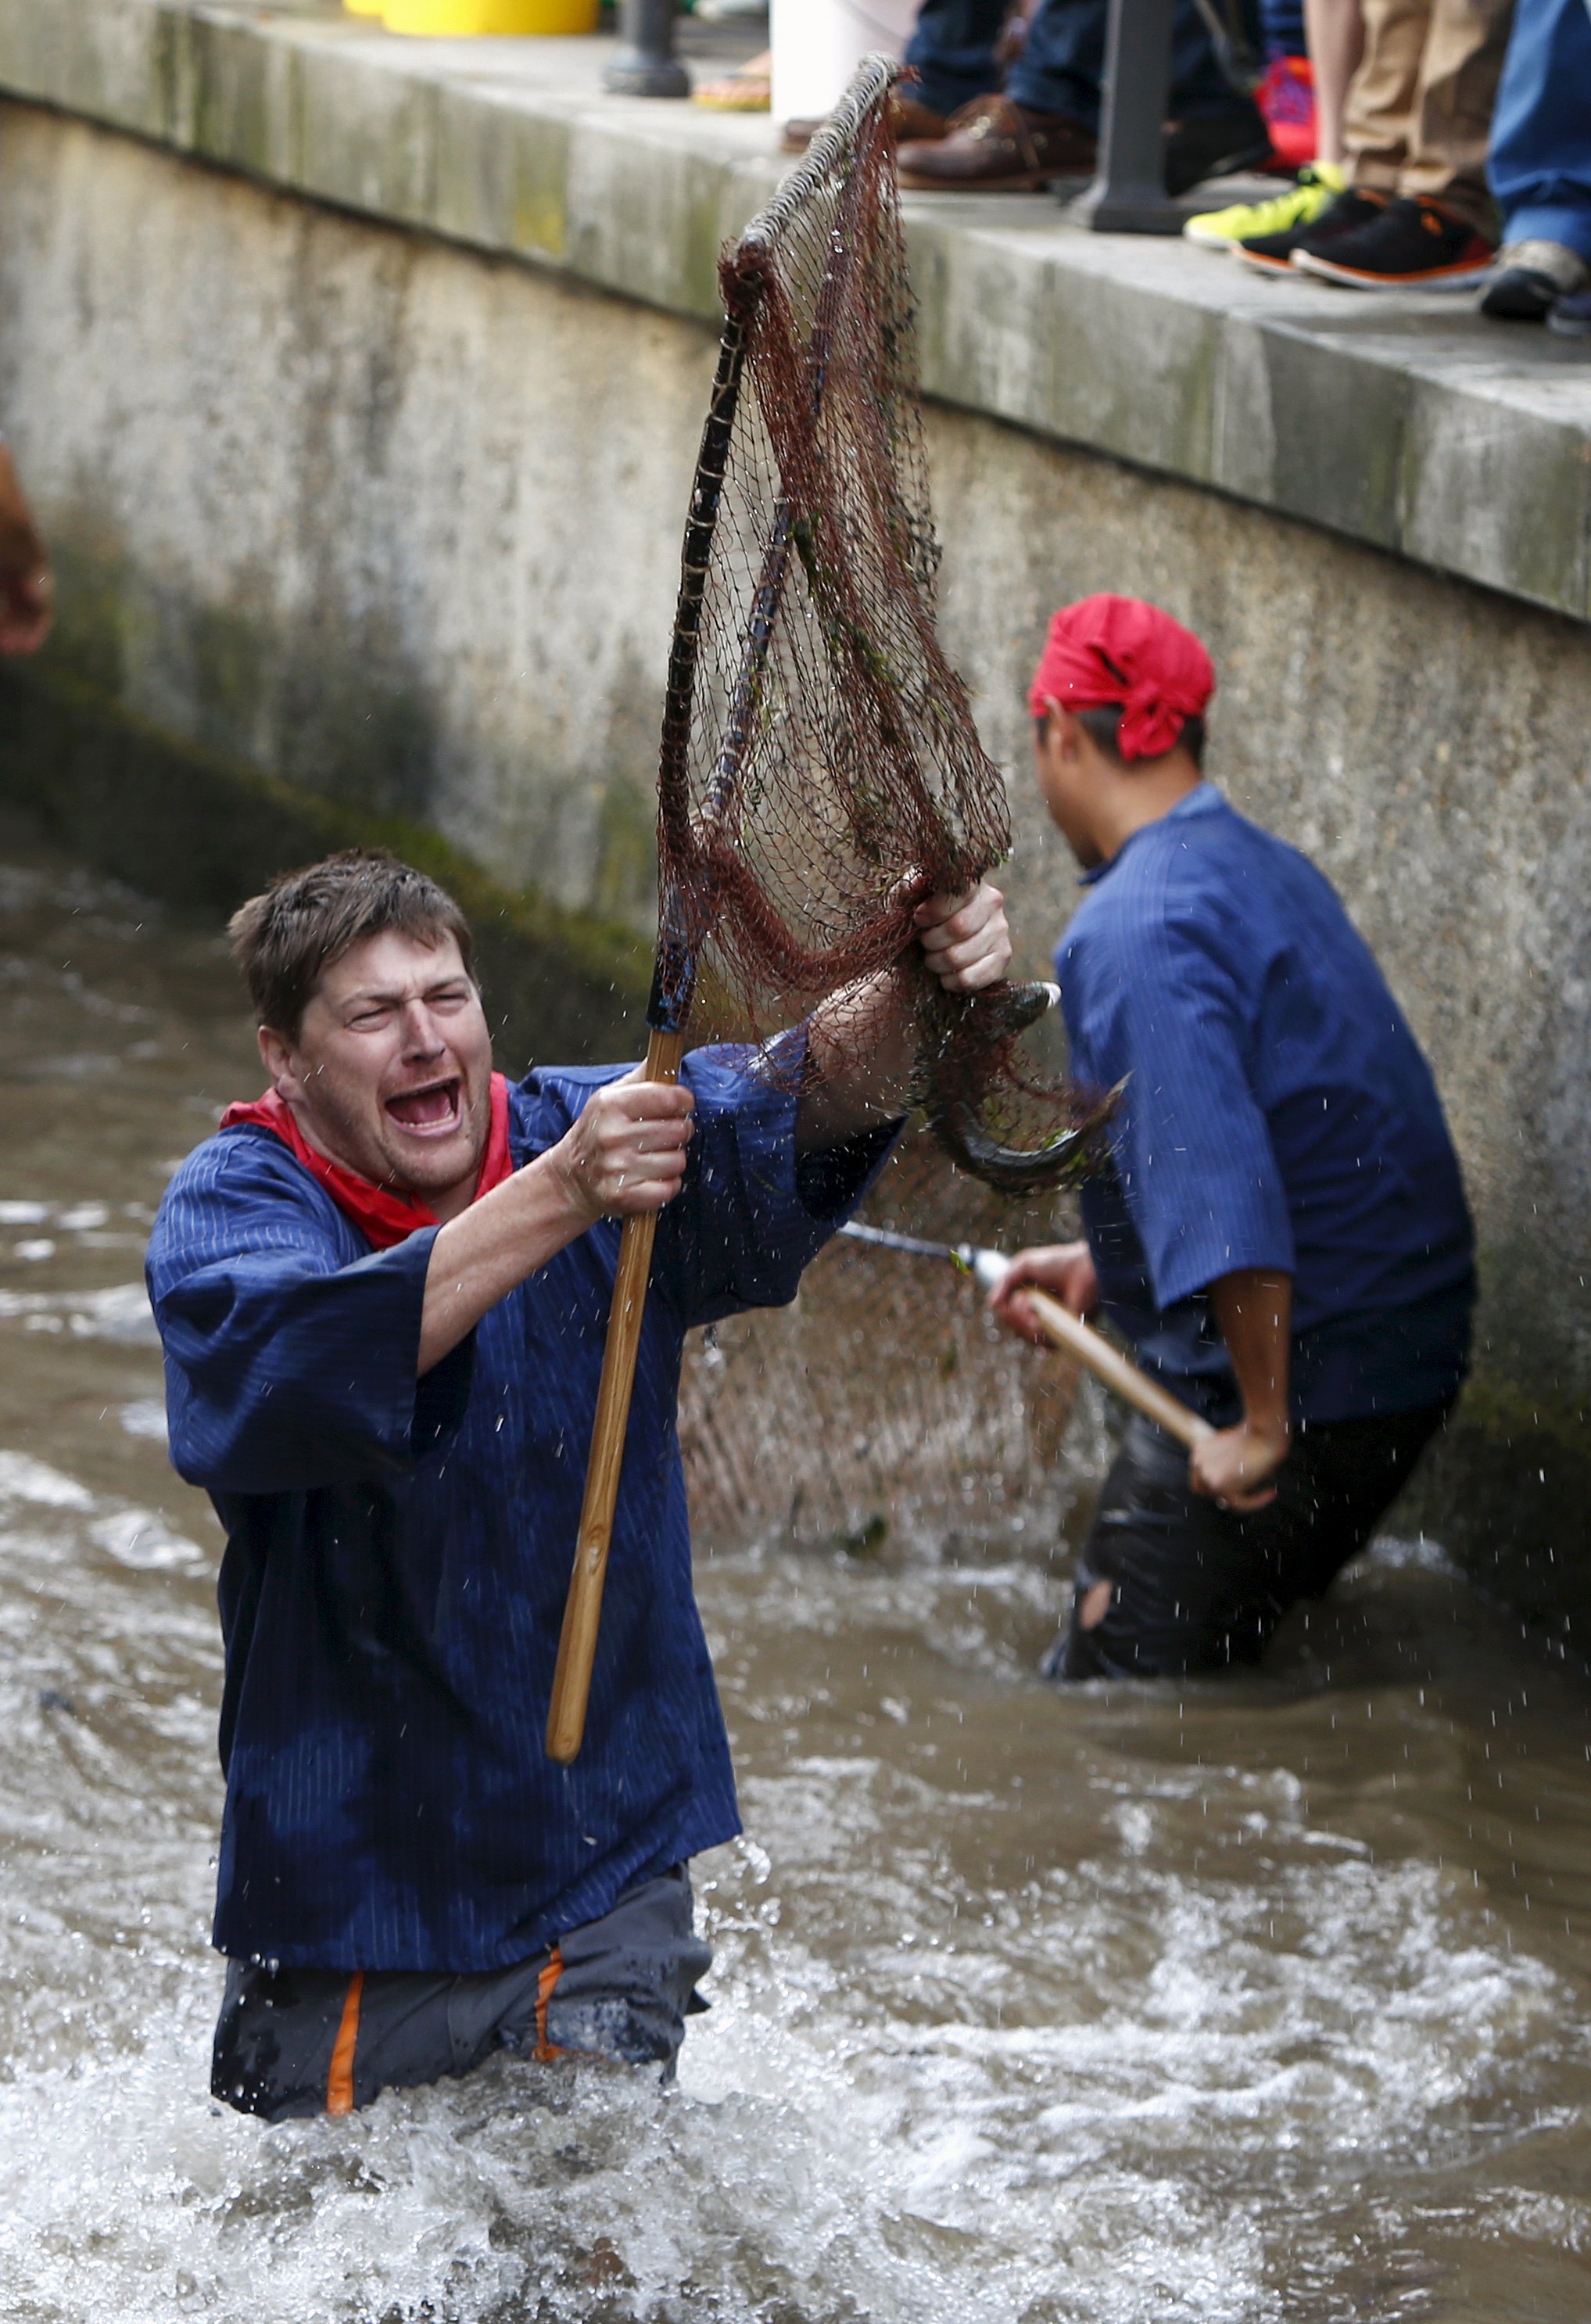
818 44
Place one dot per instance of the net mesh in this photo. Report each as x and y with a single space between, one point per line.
821 772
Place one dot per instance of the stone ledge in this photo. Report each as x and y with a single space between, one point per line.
1408 423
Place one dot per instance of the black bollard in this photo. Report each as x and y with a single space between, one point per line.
1129 195
646 64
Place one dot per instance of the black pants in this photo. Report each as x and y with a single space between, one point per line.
1197 1587
324 2040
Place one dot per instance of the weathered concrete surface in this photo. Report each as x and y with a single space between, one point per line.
397 520
1406 424
402 528
202 831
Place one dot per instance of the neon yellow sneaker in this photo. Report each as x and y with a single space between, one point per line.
1318 184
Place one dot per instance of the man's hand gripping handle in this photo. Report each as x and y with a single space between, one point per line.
571 1693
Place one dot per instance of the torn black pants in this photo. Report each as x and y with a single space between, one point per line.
1197 1588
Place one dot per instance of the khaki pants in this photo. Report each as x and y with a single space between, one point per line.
1420 106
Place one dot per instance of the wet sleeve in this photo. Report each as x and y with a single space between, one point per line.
1192 1148
753 1213
287 1368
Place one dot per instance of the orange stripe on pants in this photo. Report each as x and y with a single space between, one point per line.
552 1969
339 2081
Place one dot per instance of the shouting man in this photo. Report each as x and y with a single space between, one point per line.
1284 1234
384 1293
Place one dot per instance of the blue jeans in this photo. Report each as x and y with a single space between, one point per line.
1282 27
1059 70
1540 161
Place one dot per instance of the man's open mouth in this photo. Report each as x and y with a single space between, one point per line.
436 1108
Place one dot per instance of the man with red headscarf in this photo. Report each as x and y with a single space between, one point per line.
1282 1229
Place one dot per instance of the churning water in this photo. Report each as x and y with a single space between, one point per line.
1255 2001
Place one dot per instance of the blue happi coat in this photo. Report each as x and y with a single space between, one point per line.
398 1550
1277 1113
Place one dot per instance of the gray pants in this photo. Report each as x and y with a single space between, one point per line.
324 2040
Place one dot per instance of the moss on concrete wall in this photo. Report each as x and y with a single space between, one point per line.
203 831
394 521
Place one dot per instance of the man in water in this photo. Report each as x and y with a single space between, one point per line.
1282 1233
26 592
383 1293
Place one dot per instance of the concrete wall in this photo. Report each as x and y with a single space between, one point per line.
399 521
328 499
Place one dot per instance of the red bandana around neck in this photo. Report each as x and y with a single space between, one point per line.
383 1217
1107 649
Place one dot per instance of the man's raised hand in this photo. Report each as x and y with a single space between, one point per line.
860 1040
1064 1269
964 938
627 1150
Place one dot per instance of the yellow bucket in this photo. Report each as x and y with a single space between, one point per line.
458 19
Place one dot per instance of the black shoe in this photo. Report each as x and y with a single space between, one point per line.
1518 295
1272 254
1571 317
995 146
1415 244
1214 145
1530 278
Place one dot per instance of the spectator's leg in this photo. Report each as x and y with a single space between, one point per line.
1282 28
1060 64
1334 31
1451 118
953 51
1540 157
1377 117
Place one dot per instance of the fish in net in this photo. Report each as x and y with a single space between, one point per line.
820 771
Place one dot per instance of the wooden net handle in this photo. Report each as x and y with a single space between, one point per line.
571 1693
1064 1330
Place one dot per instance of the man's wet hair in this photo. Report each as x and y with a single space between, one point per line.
286 939
1103 726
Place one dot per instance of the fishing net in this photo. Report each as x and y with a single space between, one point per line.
820 770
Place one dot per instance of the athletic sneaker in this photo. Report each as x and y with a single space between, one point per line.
1272 254
1312 193
1529 278
1415 244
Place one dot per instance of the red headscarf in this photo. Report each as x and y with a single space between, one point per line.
383 1217
1109 648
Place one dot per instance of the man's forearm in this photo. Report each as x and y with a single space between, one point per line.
1254 1307
860 1042
480 1256
859 1061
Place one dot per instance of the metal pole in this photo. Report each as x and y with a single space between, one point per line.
1128 193
646 64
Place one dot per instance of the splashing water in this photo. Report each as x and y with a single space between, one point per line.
1247 2001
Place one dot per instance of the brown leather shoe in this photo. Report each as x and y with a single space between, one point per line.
909 120
994 145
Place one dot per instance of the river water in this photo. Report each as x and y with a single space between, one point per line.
1250 2001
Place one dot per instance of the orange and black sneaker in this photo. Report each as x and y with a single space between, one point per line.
1345 213
1414 245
